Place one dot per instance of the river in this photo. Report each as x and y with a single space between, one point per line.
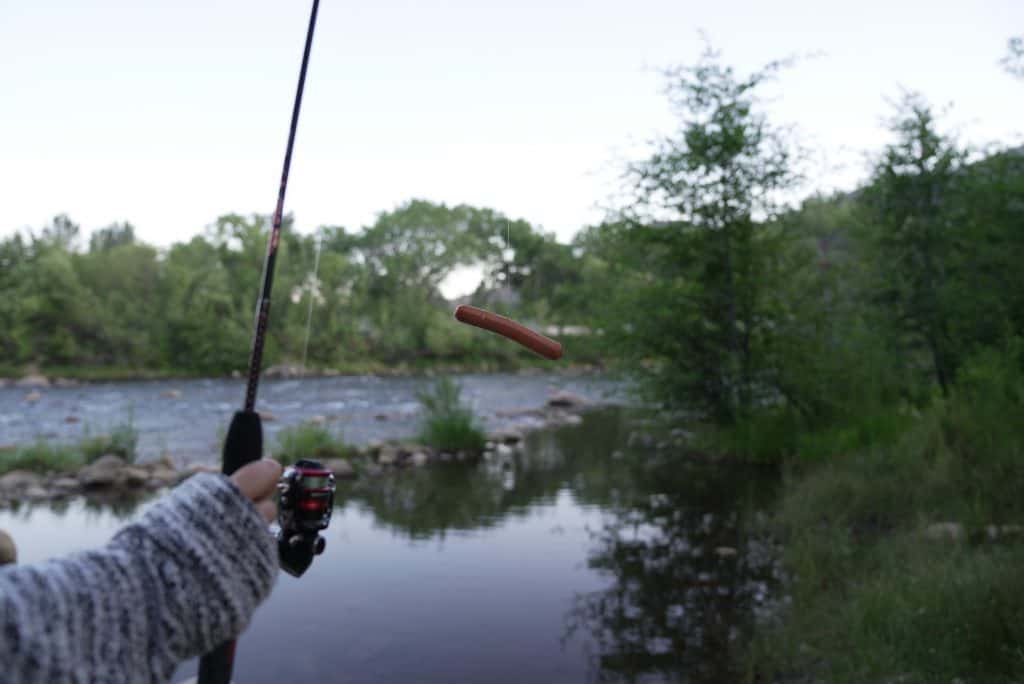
577 559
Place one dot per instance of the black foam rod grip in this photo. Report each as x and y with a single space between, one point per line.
244 443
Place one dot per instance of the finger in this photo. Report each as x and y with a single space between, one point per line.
258 479
268 509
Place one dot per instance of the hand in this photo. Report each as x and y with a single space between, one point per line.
258 481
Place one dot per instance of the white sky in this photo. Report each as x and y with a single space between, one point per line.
168 114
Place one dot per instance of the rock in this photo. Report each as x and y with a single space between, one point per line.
19 480
374 446
134 477
65 484
381 416
445 456
105 472
35 493
725 552
33 397
171 394
72 419
162 477
945 531
572 419
505 450
318 420
388 455
267 416
419 458
165 461
618 455
33 380
566 399
341 468
4 382
65 383
8 552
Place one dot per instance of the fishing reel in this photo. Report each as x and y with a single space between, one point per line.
305 501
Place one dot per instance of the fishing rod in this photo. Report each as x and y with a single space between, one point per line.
244 441
306 489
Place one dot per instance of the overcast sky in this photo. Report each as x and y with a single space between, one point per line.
168 114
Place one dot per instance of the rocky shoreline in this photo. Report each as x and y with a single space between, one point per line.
111 478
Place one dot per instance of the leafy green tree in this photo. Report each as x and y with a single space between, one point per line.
917 237
698 263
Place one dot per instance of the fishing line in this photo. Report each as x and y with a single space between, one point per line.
313 289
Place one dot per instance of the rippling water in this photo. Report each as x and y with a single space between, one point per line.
578 560
190 427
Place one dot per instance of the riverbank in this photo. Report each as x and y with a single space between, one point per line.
104 467
903 538
69 376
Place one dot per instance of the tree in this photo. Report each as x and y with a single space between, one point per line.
697 258
114 235
914 181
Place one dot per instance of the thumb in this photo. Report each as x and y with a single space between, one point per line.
257 480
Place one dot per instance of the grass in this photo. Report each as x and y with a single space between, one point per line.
872 598
311 442
43 456
448 424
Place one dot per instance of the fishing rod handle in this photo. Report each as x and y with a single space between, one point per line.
244 441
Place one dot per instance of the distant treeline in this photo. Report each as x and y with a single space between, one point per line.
120 303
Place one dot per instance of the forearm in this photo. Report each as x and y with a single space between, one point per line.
184 578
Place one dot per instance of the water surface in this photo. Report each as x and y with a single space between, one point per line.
578 560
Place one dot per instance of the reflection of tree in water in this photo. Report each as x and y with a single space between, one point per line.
675 603
122 505
678 598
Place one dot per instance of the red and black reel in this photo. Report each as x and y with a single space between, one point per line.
305 501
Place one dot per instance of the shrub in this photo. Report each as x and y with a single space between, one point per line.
122 441
40 457
309 441
448 424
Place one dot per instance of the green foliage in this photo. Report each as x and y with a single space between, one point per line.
121 441
448 424
41 456
874 599
310 441
698 264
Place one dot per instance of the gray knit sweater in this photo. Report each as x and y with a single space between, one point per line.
184 578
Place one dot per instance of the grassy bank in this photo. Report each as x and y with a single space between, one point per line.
904 546
43 456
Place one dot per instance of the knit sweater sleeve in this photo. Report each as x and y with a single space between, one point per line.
184 578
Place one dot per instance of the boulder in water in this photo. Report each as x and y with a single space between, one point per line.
341 468
33 396
171 394
565 399
104 472
19 480
33 380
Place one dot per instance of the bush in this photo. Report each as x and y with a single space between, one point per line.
310 441
122 441
40 457
448 424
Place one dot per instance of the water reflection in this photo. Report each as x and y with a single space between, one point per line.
684 577
578 558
